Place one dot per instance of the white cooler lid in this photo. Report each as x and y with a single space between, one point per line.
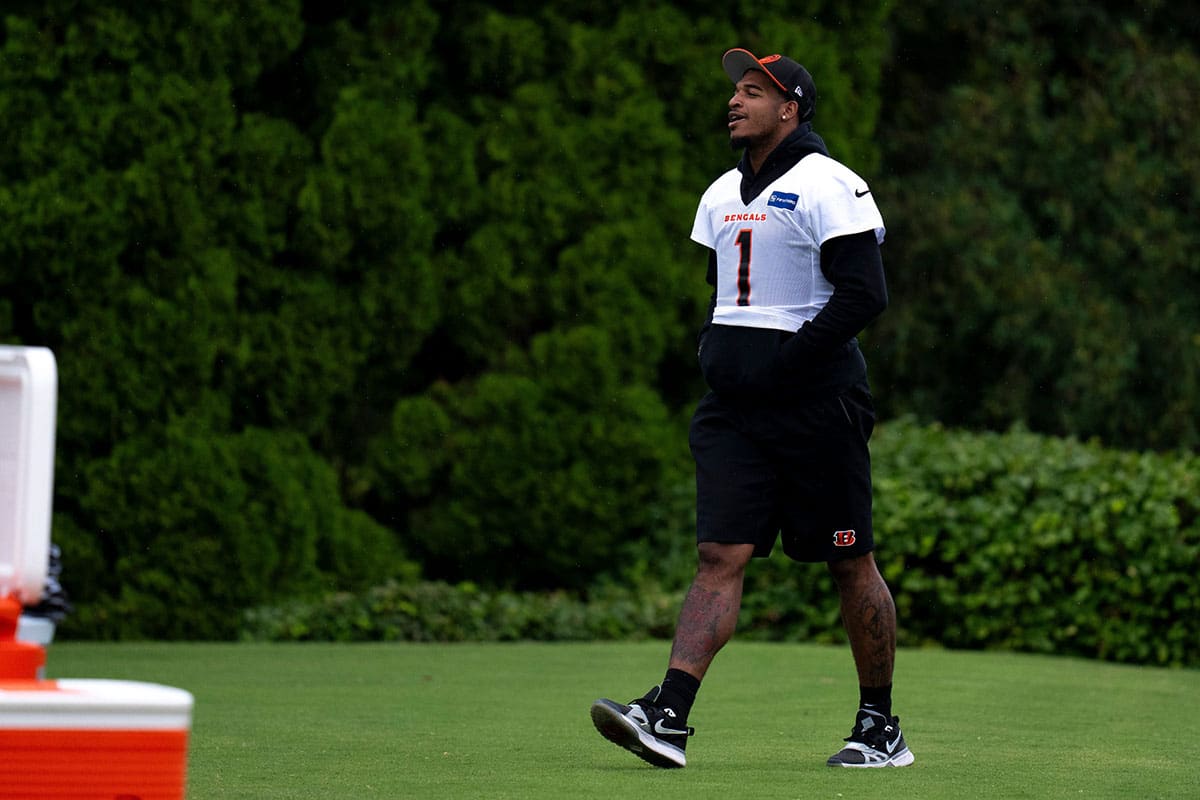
95 705
28 415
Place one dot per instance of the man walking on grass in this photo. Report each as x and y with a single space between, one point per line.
780 441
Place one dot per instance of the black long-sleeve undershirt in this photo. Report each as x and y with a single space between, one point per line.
855 268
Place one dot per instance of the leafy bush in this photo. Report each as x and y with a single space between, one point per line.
1009 541
536 477
435 611
238 520
1017 541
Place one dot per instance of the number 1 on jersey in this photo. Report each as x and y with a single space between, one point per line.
743 275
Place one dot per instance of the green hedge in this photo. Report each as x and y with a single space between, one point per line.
1008 541
238 520
434 611
1042 544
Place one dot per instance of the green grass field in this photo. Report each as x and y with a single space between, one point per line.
511 721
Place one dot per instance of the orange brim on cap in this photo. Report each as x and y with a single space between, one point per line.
737 61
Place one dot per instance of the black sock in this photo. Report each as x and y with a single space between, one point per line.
678 693
876 698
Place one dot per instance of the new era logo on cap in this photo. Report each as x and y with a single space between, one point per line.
791 78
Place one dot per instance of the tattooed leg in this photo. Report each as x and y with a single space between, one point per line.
869 615
710 609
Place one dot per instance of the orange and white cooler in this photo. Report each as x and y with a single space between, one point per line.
67 739
93 740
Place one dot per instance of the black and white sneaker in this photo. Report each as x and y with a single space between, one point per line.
649 732
875 741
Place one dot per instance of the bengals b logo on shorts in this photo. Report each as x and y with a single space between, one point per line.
843 538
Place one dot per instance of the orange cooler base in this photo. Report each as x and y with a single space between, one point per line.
93 740
74 765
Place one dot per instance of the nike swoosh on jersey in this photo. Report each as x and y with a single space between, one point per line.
863 193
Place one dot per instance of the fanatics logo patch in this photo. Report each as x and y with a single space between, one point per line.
784 200
843 538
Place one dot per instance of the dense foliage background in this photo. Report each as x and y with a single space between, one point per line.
357 293
1043 165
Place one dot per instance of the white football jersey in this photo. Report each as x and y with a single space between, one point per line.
769 252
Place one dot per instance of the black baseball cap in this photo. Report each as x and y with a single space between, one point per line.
790 77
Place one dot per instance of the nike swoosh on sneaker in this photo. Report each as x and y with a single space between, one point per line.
664 731
892 744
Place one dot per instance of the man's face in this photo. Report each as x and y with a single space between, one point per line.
754 109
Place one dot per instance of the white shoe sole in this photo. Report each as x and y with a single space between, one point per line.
901 759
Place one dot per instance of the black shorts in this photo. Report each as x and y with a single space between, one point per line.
774 467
